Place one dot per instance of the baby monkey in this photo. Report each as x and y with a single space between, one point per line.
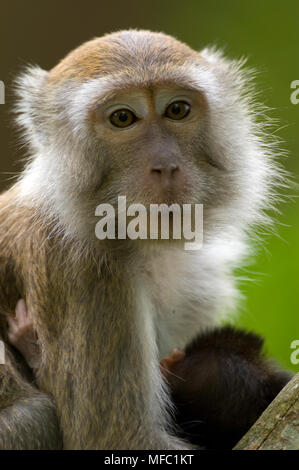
220 384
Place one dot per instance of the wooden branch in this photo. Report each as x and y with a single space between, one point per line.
278 427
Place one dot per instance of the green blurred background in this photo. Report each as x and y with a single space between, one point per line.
266 31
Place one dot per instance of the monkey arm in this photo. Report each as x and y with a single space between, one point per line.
28 419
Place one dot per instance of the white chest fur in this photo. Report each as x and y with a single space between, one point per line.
185 292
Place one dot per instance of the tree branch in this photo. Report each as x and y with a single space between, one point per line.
278 427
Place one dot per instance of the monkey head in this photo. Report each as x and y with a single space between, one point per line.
142 115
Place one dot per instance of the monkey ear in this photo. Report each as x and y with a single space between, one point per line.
30 106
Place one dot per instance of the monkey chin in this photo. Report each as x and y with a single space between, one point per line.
158 230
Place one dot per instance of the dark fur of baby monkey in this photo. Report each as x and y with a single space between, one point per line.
221 385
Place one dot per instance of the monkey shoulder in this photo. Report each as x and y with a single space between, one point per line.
22 247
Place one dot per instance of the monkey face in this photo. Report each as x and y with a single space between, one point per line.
145 134
141 115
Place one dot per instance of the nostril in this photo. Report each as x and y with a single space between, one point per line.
165 171
158 171
173 167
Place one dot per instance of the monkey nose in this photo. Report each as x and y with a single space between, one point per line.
164 171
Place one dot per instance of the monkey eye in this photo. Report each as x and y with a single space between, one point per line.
123 118
177 110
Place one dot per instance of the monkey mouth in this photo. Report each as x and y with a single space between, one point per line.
167 197
154 222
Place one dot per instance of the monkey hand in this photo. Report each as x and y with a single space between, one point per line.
22 336
167 364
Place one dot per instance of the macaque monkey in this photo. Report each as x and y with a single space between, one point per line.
220 385
142 115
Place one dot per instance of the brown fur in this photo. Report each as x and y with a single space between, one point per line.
80 356
102 56
28 417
